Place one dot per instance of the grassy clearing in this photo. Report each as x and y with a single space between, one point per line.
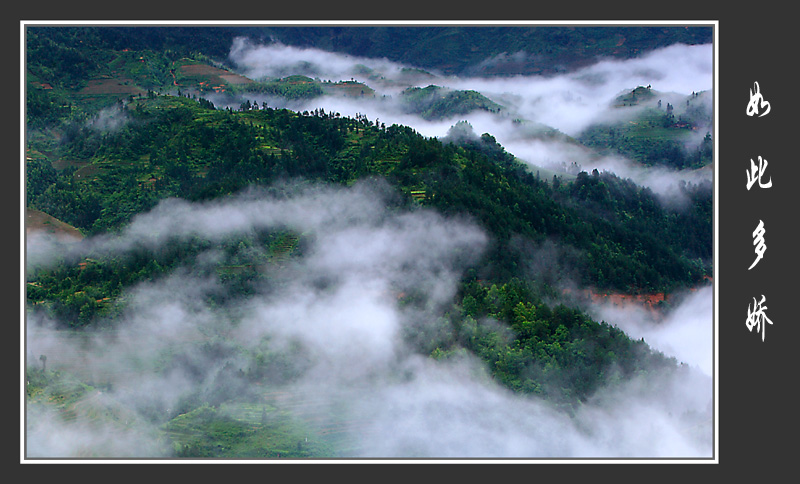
347 89
37 221
115 85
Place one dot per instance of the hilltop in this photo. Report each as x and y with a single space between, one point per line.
656 129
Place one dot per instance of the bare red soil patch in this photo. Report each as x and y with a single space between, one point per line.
650 302
111 86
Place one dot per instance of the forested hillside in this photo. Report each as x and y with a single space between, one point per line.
136 168
619 237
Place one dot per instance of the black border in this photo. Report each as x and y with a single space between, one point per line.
756 43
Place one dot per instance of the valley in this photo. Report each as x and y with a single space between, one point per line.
243 249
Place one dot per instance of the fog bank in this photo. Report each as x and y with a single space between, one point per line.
568 103
338 315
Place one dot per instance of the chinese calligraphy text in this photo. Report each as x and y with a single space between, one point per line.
757 102
756 173
756 318
758 241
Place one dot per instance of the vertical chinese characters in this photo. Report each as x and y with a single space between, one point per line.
756 315
756 173
757 102
758 241
757 318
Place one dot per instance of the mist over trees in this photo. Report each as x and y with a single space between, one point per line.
239 256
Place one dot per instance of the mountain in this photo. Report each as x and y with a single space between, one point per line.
486 50
247 272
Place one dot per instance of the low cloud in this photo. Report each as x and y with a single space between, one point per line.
109 119
686 330
336 312
568 103
277 60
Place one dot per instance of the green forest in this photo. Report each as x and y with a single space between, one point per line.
611 235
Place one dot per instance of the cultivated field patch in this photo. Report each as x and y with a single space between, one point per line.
205 77
114 85
38 221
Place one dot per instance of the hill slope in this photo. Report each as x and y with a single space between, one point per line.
244 268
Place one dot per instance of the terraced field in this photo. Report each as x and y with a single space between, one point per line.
282 248
80 386
205 77
285 423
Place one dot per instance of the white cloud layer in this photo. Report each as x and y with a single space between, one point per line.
338 304
569 102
